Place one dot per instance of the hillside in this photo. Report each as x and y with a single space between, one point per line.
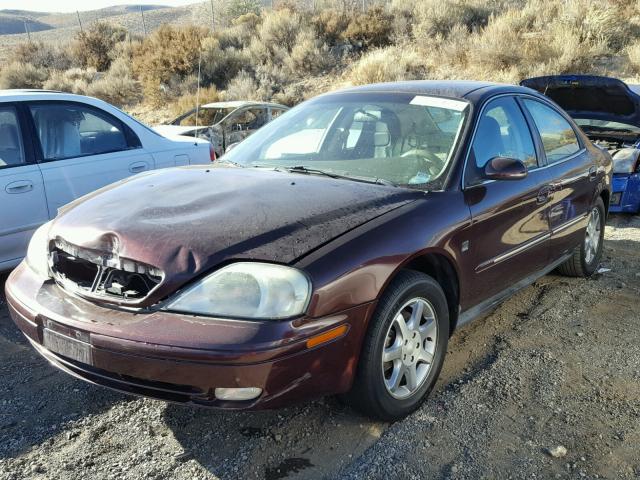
61 27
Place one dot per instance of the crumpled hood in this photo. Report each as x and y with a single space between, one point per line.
185 221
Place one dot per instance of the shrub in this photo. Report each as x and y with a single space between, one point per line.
92 47
388 64
372 28
22 75
220 66
245 87
633 53
237 8
309 56
117 86
437 17
280 29
240 34
596 21
74 80
329 25
168 53
41 55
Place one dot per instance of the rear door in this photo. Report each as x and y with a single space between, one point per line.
82 148
510 231
23 205
572 172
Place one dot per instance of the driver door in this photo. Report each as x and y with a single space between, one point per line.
509 238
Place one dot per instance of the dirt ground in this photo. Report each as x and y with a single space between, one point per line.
557 365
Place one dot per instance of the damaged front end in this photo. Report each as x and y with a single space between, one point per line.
608 111
100 275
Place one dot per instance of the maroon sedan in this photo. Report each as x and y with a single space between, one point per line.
334 251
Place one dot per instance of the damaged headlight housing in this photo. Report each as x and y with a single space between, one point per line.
38 252
247 290
626 160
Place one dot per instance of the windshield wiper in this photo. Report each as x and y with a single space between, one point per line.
316 171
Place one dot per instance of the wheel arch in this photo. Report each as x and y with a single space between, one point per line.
439 266
606 196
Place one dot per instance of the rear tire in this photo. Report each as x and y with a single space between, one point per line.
586 257
403 349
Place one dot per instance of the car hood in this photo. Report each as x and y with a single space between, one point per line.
590 96
185 221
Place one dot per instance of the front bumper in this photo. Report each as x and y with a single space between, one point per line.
182 358
625 196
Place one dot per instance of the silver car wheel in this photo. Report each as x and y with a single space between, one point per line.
592 236
409 348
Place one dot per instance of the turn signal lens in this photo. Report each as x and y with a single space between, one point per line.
327 336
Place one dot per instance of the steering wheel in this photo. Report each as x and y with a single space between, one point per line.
431 161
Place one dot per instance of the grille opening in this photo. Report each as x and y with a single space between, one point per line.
89 274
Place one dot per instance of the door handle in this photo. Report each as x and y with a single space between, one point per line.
19 186
544 194
593 172
138 167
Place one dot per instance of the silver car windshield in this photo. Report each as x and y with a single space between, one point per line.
405 139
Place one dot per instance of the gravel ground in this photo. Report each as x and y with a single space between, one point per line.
547 386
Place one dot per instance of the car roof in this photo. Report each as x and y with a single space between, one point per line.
241 103
463 89
37 94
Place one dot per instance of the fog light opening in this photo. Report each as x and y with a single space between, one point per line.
615 198
237 394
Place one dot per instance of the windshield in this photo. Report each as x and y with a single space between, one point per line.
405 139
207 116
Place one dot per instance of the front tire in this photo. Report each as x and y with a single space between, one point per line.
586 257
403 349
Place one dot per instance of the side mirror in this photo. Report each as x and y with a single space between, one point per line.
231 147
504 168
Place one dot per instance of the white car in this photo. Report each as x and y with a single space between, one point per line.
56 147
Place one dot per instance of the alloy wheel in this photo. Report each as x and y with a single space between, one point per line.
592 236
409 347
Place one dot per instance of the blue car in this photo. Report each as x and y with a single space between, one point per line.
608 111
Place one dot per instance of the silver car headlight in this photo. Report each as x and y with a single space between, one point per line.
38 251
247 290
625 160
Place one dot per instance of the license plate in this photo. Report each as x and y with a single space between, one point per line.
67 347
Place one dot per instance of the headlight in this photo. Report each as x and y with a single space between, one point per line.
247 290
38 251
625 160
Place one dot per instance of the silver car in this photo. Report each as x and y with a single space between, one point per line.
224 123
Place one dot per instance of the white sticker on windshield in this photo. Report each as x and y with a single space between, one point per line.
457 105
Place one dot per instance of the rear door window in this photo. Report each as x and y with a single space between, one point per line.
68 130
558 137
